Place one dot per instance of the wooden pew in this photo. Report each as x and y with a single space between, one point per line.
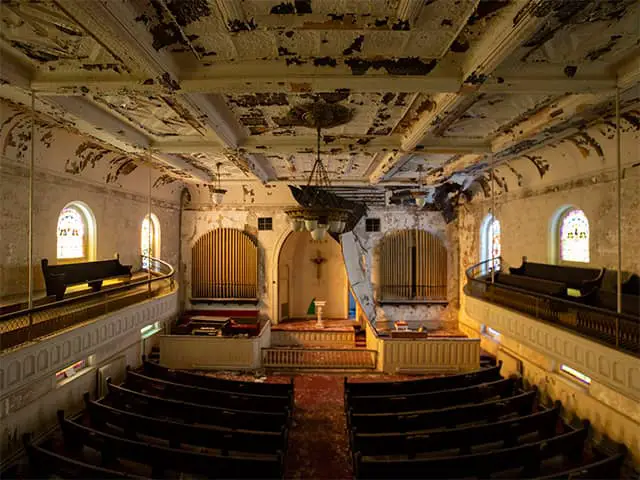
527 456
188 378
58 277
163 459
442 398
606 468
46 462
586 280
462 438
522 404
194 412
210 436
536 285
219 398
422 385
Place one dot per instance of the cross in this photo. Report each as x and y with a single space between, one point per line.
319 260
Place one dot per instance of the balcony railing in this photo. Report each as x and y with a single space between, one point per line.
618 330
21 326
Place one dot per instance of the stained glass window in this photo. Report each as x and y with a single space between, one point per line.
493 232
71 234
574 237
149 239
491 246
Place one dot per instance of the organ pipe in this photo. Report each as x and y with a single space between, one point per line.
225 265
400 278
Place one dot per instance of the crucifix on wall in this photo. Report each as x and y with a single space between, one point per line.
318 260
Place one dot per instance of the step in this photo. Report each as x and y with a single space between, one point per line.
319 358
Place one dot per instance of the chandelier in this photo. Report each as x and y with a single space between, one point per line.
320 213
217 193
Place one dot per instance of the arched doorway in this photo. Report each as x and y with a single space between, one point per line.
308 270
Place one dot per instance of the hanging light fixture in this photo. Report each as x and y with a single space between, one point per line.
419 196
217 193
322 214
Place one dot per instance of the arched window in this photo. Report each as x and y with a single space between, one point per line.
574 236
75 233
149 239
490 243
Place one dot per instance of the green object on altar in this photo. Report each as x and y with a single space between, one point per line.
312 307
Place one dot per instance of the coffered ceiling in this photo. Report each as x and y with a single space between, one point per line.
436 87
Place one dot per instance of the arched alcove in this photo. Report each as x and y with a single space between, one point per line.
308 270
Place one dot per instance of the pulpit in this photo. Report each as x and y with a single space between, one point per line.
319 306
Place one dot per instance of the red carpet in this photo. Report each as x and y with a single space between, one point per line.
318 444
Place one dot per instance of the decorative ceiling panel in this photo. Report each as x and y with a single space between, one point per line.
302 32
374 114
339 166
52 40
491 112
417 166
161 116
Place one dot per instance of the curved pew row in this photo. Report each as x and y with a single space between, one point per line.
45 462
218 398
127 399
464 438
189 378
478 393
605 468
521 404
210 436
167 459
423 385
526 457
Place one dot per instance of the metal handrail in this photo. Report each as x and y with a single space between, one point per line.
582 310
92 295
546 297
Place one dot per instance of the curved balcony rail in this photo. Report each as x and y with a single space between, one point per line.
21 326
618 330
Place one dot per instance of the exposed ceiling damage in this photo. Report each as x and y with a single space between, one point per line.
436 88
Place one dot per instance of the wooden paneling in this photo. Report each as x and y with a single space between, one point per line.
224 265
413 266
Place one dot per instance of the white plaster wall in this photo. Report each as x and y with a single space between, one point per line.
526 213
67 169
402 218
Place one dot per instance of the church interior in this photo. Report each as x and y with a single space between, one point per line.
320 239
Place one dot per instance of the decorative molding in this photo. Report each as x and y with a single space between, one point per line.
430 355
33 364
614 369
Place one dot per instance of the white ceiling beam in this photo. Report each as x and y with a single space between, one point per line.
217 116
113 25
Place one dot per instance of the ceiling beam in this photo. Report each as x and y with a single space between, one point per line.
103 83
113 24
518 21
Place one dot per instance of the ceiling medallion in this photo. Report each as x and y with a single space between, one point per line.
321 212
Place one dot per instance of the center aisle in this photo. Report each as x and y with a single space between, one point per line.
318 443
